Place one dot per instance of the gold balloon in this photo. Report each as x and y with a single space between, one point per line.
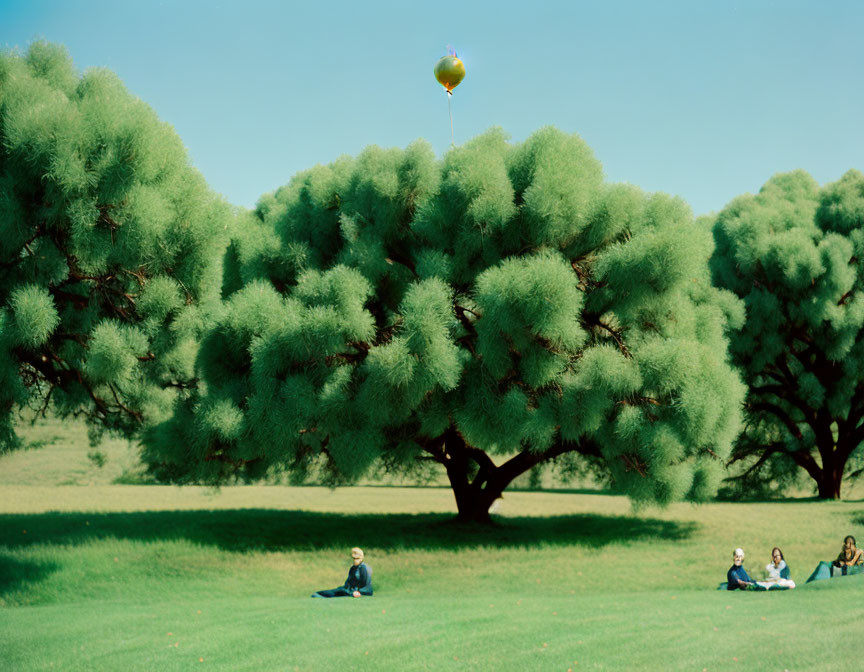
449 71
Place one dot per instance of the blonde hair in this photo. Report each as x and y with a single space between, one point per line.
358 551
738 551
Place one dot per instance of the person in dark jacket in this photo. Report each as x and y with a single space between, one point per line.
736 577
358 583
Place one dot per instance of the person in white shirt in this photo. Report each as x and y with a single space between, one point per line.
778 572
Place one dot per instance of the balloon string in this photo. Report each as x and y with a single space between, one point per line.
450 110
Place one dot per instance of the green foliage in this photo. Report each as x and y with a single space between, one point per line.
113 352
501 300
159 298
109 239
33 314
794 254
98 458
555 177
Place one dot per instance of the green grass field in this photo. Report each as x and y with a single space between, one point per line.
124 577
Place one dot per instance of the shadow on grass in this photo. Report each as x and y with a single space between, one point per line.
605 492
769 500
271 530
14 573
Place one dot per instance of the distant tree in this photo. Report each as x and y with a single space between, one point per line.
110 248
501 302
795 254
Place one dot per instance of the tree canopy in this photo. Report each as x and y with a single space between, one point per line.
111 248
502 302
795 254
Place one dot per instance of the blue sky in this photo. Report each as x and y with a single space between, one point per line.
705 100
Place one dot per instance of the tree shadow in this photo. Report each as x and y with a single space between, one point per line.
604 492
769 499
14 573
780 499
242 530
599 492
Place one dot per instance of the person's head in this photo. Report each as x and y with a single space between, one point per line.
738 557
776 555
849 542
357 555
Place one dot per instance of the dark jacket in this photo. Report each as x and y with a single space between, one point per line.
359 579
734 574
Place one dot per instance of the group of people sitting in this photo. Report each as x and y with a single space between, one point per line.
778 576
777 571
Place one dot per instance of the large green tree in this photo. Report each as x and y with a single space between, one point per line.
795 254
111 248
503 303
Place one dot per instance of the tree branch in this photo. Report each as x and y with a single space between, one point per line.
633 463
806 461
471 337
766 452
780 414
26 245
592 321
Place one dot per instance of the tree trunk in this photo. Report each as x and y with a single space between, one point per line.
475 496
473 504
829 484
831 476
834 457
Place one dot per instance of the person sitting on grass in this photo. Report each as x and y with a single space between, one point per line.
736 577
778 572
850 556
358 583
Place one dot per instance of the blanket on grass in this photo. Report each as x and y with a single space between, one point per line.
826 570
760 586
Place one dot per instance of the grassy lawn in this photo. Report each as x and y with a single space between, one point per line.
511 630
109 577
97 578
